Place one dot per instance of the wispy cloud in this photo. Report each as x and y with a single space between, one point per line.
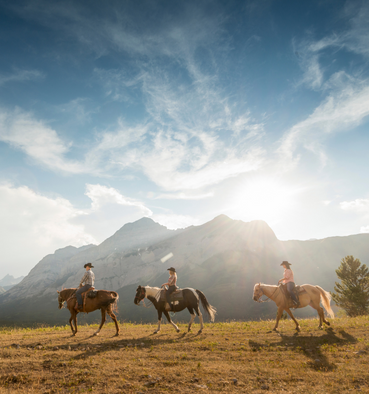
21 76
101 195
340 111
37 140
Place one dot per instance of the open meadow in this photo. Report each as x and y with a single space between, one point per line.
226 357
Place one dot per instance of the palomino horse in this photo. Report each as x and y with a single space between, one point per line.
312 296
191 301
105 300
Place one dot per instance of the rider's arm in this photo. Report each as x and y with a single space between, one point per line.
83 279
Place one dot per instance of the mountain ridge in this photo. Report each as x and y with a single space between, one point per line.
223 257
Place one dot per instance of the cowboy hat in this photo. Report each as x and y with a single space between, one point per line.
171 269
286 263
88 265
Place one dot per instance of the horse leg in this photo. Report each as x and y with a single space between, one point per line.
293 318
70 321
192 313
279 315
103 318
199 314
320 311
114 318
170 321
160 312
75 322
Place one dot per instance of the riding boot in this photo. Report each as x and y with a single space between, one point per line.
168 307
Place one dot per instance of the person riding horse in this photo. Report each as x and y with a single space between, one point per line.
88 280
289 281
172 287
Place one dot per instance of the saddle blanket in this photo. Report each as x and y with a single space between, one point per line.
175 296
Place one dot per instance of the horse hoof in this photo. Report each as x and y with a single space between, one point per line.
178 330
200 331
327 323
189 330
117 334
274 329
155 332
298 329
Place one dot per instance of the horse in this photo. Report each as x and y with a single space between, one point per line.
312 296
105 300
191 301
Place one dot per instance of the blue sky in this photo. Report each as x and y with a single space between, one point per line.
180 111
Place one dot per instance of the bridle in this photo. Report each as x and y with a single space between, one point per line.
142 295
262 293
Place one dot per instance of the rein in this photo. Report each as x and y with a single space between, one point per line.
269 298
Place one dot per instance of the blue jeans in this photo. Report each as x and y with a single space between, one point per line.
169 292
290 287
79 293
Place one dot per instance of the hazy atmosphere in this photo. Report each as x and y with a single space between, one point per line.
180 111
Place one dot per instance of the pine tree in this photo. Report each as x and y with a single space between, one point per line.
352 294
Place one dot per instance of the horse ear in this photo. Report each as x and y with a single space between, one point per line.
58 291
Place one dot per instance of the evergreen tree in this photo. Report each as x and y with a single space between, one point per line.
352 294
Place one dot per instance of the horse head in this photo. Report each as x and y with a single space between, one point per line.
60 300
140 294
258 292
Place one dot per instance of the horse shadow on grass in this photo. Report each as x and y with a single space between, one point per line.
310 346
150 341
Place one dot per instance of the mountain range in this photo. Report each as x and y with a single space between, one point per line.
8 282
224 258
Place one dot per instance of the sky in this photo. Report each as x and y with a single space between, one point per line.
180 111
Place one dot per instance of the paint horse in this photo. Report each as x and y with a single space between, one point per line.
191 301
309 295
104 300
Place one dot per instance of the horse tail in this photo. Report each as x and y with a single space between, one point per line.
113 300
211 311
326 301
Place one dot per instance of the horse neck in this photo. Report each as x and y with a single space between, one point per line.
269 290
151 291
66 293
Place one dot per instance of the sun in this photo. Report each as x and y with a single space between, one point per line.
265 199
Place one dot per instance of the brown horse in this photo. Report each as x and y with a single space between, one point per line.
312 296
105 300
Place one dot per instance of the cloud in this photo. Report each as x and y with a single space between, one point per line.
102 195
40 224
21 76
182 196
41 143
358 205
36 224
192 135
340 111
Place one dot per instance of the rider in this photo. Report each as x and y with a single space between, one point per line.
289 281
89 280
172 287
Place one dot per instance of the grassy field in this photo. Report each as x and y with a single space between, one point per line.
226 357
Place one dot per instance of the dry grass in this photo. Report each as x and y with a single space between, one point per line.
49 360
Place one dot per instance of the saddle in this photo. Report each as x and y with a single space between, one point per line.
174 297
297 290
90 293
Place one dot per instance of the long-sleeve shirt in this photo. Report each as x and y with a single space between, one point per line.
172 280
88 278
288 276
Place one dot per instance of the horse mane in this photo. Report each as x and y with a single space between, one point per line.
66 293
